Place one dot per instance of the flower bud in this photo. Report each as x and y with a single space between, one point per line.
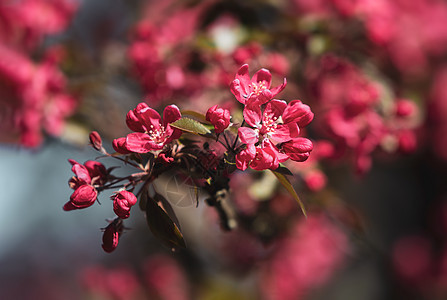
405 108
298 149
95 140
84 196
219 117
122 203
111 235
315 180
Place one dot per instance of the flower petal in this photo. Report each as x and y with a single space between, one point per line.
119 145
173 134
265 159
281 134
252 115
263 75
244 158
248 135
132 121
238 92
81 172
275 108
243 77
141 143
276 90
149 118
171 113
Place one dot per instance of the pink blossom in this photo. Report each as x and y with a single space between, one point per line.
122 202
279 124
151 133
219 117
348 109
256 90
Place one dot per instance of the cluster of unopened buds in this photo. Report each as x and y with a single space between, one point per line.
268 135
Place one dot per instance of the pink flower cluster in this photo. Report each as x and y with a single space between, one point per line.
410 32
23 23
119 283
407 31
34 96
354 115
157 40
162 278
272 136
88 177
169 65
306 258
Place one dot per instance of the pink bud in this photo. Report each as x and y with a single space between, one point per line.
298 149
84 196
122 202
407 141
95 140
315 180
111 235
405 108
219 117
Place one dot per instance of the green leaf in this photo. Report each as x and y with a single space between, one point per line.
166 206
162 226
197 115
191 126
283 170
286 183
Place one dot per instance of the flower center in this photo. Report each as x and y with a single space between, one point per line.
269 124
157 135
257 87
